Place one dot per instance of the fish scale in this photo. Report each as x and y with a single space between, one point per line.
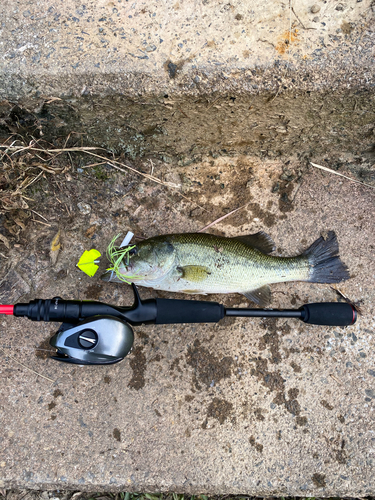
233 266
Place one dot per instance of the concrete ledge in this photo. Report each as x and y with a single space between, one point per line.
204 47
244 78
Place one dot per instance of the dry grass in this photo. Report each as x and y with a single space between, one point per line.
24 164
20 172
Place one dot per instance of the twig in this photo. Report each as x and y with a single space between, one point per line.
95 164
213 102
222 218
27 368
39 215
298 188
346 298
18 149
341 175
67 139
303 26
335 379
147 176
27 348
186 116
299 20
290 27
34 180
43 223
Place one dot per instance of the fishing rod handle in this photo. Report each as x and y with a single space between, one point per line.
329 314
159 311
172 311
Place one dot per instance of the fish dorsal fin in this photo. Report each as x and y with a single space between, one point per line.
195 274
261 296
261 241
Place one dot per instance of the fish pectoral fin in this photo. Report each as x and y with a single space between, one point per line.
261 241
194 273
261 296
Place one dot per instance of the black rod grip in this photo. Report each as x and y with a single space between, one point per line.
171 311
329 314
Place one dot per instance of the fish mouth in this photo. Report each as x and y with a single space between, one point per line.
121 274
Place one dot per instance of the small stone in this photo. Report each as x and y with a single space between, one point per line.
84 208
340 6
173 178
316 19
315 8
370 393
150 48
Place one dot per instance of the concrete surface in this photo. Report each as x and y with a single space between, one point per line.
44 42
186 78
246 406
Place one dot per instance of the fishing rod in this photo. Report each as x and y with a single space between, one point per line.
95 333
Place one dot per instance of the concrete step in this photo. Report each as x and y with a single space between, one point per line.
186 78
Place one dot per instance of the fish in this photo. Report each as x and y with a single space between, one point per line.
202 263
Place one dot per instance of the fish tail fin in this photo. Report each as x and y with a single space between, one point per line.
324 260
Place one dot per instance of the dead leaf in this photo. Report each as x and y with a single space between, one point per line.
55 248
5 241
91 231
19 223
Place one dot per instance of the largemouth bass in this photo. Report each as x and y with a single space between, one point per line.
199 263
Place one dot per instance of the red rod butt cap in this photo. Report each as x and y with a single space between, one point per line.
6 310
